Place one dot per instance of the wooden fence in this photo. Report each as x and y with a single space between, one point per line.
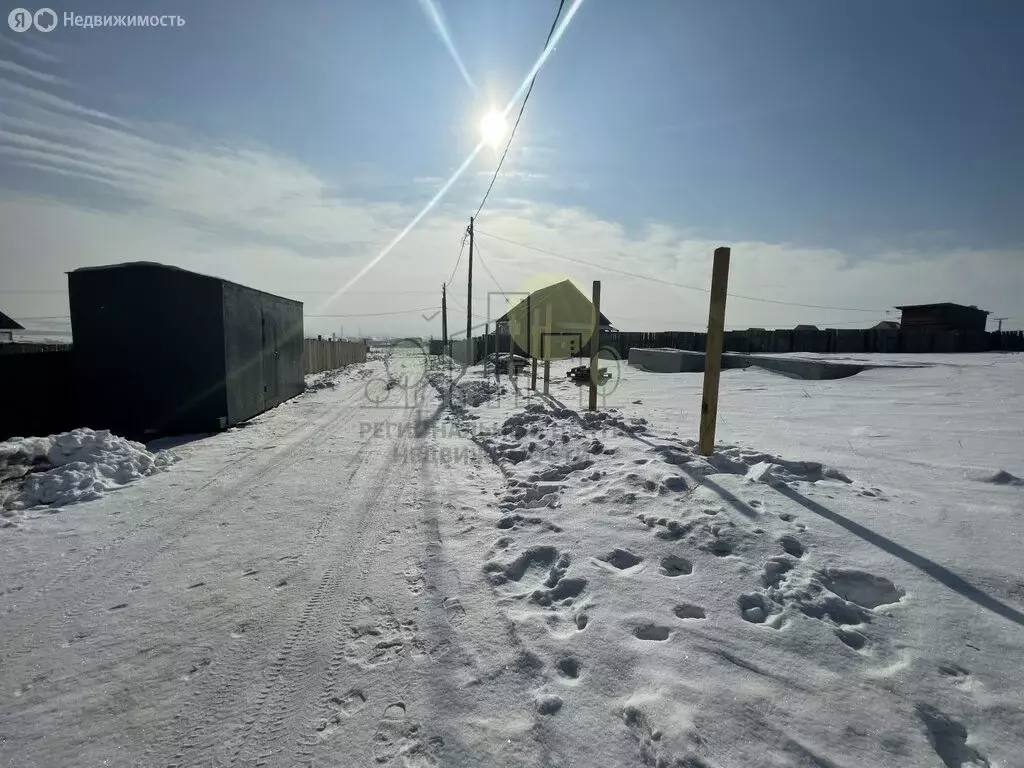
327 355
827 341
37 393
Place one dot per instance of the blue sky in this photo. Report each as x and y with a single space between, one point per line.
855 154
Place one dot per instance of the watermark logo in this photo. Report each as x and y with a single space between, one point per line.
46 20
22 19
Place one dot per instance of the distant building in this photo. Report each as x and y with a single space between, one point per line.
806 328
8 327
944 316
571 315
886 325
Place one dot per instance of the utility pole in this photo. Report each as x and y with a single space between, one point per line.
444 318
1000 320
469 297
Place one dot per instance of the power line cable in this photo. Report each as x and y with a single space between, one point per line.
463 248
670 282
462 308
522 107
490 274
380 314
368 293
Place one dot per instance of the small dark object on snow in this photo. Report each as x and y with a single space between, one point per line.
581 374
506 363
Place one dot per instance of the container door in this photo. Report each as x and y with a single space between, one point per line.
270 360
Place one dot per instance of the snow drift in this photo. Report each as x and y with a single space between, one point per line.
80 465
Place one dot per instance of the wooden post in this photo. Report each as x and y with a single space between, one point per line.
713 350
546 347
595 345
486 346
533 348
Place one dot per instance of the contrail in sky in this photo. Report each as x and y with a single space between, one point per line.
433 11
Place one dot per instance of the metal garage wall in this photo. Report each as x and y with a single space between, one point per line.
263 350
243 352
284 374
149 349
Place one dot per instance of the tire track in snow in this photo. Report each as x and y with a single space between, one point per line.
95 591
284 705
225 686
307 727
332 691
135 524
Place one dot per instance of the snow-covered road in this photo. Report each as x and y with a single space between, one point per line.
284 597
364 577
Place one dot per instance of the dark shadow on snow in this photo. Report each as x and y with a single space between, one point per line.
940 573
728 496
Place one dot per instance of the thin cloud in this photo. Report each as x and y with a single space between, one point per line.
17 69
57 103
28 50
246 191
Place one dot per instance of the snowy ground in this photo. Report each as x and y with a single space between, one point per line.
362 577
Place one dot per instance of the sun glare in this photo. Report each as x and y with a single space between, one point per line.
492 128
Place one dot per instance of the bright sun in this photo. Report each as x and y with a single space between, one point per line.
492 128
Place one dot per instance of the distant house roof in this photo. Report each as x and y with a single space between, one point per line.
806 328
556 294
886 325
941 304
7 324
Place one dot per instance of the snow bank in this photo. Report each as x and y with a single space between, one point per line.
317 381
471 393
742 609
80 465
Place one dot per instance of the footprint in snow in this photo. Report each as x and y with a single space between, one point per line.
756 608
689 611
775 571
791 545
454 611
568 668
948 738
720 547
861 588
852 638
620 559
548 703
343 706
651 632
397 737
673 565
